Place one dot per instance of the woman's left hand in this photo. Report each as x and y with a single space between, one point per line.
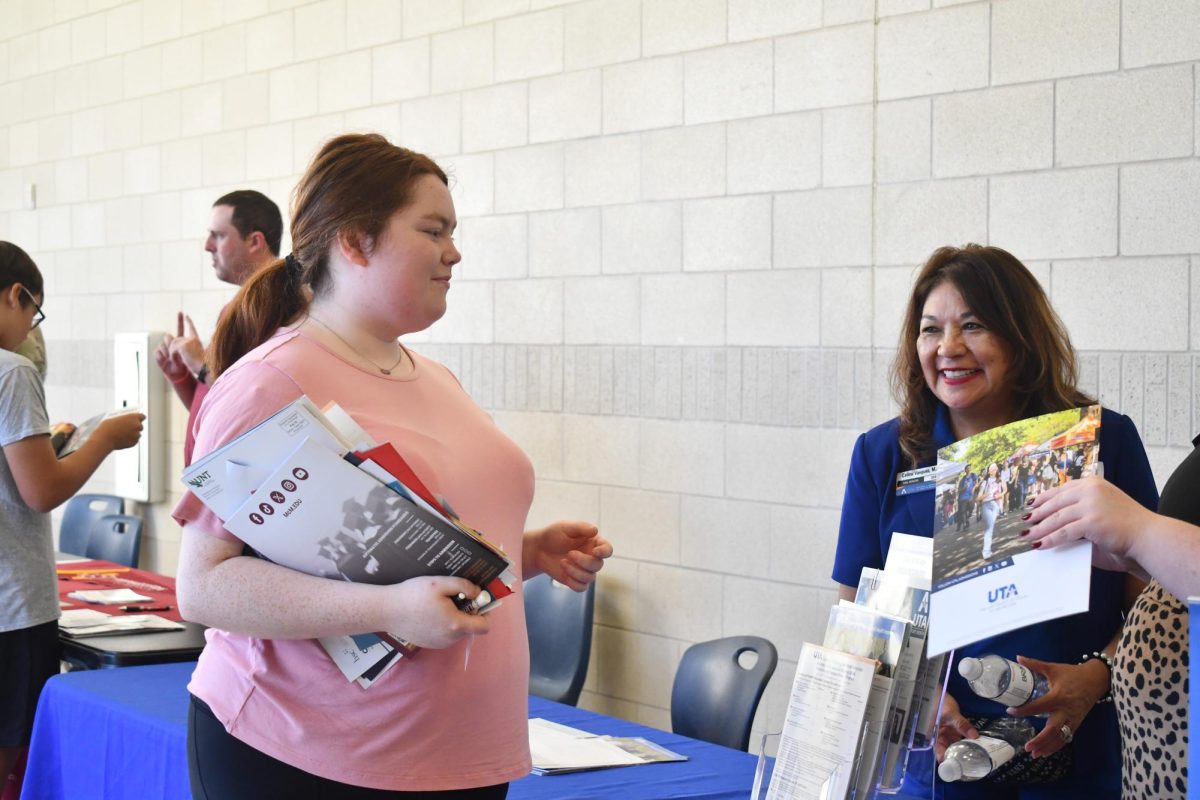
570 552
1092 509
1074 689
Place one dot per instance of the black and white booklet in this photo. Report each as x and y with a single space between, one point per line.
320 514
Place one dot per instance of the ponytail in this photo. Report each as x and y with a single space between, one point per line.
273 297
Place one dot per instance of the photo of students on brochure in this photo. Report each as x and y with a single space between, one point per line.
984 481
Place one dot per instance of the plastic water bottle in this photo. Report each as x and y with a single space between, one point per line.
975 759
1007 682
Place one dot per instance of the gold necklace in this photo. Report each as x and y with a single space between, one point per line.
385 371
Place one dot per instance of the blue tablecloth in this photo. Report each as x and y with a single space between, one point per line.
111 733
121 733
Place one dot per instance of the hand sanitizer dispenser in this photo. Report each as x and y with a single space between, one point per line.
139 385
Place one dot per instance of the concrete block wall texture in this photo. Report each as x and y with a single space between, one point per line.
688 232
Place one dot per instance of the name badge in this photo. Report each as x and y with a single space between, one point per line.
923 479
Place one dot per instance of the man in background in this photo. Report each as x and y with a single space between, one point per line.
243 235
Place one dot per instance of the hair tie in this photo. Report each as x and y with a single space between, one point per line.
291 264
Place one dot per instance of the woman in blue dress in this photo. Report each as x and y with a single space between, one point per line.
980 346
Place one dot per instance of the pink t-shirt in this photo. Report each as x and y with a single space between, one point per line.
429 724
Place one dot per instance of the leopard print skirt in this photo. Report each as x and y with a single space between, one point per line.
1150 688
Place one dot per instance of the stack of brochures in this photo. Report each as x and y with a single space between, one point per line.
867 696
79 622
558 749
325 499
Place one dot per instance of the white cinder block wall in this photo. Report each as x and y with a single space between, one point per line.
689 227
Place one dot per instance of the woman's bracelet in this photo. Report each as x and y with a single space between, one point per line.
1108 662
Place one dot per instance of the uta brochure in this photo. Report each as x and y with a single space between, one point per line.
986 579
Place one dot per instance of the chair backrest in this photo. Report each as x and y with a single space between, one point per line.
83 510
560 638
714 697
116 538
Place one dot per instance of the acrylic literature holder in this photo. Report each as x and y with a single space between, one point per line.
918 741
828 787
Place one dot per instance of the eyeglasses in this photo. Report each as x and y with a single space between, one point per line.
39 316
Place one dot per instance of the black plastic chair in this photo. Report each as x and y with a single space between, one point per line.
116 538
560 638
84 510
714 697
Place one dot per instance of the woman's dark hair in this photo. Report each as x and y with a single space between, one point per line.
1006 297
352 187
17 267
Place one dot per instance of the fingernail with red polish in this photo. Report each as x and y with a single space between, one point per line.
1029 502
1024 532
1027 516
1036 545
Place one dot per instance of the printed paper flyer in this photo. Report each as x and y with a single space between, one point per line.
986 579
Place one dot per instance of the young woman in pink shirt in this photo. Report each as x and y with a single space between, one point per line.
373 255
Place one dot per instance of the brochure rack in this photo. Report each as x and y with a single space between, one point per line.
917 741
771 740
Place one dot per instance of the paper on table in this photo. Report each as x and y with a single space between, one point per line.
81 617
88 622
108 596
558 748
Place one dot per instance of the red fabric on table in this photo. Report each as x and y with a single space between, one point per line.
12 787
71 579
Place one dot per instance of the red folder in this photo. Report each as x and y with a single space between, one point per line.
386 456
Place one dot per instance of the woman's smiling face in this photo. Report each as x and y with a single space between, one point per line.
965 365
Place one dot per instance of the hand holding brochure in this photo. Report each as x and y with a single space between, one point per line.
319 514
292 489
72 437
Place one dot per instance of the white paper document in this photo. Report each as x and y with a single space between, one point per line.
81 622
911 557
1031 587
823 726
224 478
108 597
558 748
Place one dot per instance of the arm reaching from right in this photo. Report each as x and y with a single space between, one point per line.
221 588
1127 536
45 481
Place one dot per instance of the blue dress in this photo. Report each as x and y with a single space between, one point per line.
872 511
